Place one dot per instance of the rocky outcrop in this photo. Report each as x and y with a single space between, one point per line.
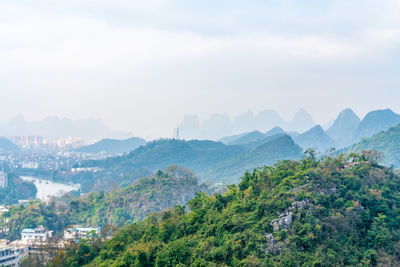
285 219
273 246
283 222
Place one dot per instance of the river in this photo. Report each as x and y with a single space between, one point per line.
47 189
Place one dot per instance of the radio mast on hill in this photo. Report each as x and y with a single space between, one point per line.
177 132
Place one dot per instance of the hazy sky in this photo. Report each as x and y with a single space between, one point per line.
142 65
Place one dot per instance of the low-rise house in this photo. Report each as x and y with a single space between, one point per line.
77 232
35 236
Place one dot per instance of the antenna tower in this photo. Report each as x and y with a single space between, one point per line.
177 133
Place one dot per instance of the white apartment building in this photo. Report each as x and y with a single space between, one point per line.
35 236
77 232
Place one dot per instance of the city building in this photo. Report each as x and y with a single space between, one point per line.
30 165
77 232
35 236
70 143
8 254
3 179
27 141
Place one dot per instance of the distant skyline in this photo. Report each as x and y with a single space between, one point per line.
141 66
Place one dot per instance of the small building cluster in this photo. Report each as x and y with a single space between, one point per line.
77 232
39 239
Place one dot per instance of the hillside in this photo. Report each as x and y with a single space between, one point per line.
315 138
275 131
246 138
113 146
211 161
16 189
388 143
270 151
230 138
304 213
250 137
8 146
375 122
174 186
195 155
344 128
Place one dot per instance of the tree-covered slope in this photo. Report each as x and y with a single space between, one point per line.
123 170
375 122
315 138
113 146
249 137
195 155
174 186
387 142
17 189
332 212
273 149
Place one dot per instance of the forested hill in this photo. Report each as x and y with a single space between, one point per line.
274 148
387 143
211 161
174 186
332 212
195 155
16 189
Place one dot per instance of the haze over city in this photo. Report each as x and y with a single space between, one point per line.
141 66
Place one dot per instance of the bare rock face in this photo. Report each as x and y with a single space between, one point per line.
285 219
283 222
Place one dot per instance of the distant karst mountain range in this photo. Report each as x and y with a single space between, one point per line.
219 125
53 127
345 130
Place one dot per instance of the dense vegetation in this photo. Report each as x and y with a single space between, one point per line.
330 212
388 143
274 148
16 189
175 186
